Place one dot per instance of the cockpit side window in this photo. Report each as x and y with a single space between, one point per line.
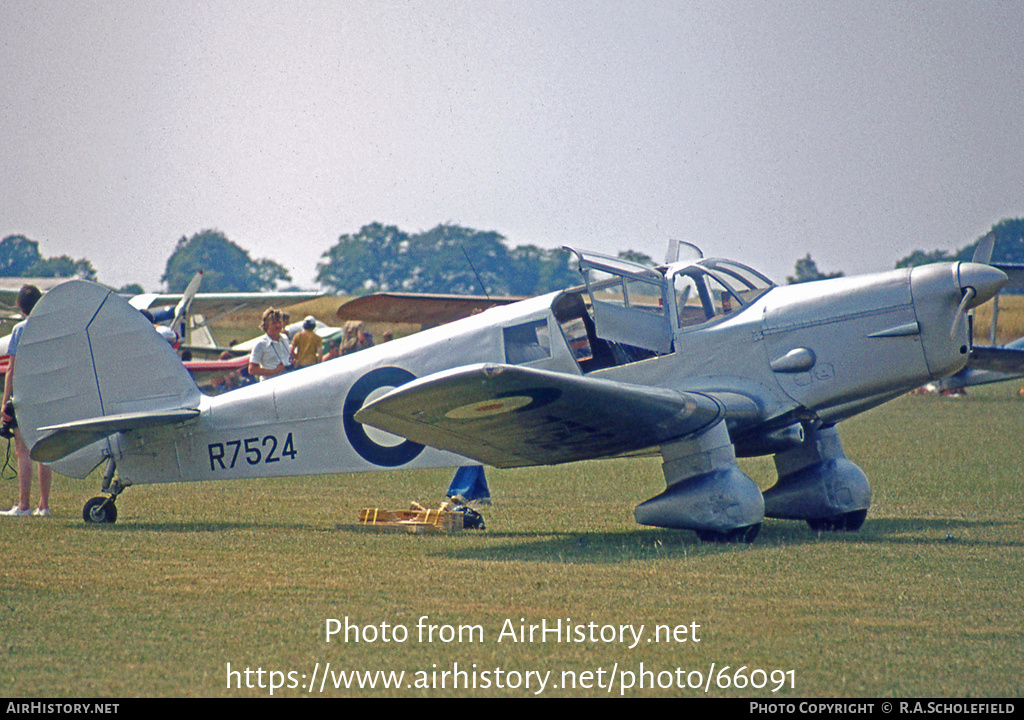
645 296
689 304
527 342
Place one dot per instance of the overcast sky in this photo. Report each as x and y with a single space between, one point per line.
762 131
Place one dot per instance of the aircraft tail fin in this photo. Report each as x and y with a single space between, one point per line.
86 362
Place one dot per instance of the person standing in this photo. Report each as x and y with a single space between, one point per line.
271 355
355 338
307 347
28 296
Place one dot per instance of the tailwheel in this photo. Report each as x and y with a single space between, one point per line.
100 510
847 522
737 535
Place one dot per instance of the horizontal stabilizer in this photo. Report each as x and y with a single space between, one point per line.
58 441
511 416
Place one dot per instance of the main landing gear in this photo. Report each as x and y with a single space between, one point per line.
707 492
847 522
102 509
818 484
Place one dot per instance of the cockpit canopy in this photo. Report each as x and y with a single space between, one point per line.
643 308
713 288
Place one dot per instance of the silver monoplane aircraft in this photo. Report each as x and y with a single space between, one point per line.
698 361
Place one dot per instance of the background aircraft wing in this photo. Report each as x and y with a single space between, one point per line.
417 308
1015 273
1006 359
989 365
510 416
10 286
222 303
203 371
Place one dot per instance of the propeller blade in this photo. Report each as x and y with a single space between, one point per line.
181 310
983 253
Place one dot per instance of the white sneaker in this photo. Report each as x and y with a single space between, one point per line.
15 512
40 512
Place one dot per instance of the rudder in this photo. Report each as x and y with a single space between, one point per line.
84 354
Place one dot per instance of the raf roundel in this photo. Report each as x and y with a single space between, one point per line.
489 408
376 446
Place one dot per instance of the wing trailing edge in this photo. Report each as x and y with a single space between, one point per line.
511 416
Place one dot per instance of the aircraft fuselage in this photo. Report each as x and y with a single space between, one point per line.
825 350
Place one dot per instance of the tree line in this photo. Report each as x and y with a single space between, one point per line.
445 259
20 257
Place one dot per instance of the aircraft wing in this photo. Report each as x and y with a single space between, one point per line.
11 286
1005 359
417 308
510 416
989 365
205 370
1015 273
222 303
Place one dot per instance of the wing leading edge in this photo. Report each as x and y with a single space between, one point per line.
510 416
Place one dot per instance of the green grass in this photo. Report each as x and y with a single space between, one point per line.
923 601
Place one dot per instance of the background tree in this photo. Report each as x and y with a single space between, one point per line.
17 255
637 257
534 270
383 258
226 267
920 257
63 267
1008 247
1009 243
455 259
373 260
806 270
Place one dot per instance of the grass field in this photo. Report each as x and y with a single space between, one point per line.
194 580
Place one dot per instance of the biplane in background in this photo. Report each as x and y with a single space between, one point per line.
699 362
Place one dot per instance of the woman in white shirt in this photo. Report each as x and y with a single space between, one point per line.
271 355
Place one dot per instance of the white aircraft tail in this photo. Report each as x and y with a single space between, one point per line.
89 365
